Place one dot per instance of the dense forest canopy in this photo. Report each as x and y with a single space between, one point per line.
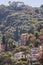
18 15
21 33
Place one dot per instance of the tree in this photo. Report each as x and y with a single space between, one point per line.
6 58
36 35
31 45
37 43
9 2
4 42
39 28
16 34
41 6
12 44
3 39
19 63
24 49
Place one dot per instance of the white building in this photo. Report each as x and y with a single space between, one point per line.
19 56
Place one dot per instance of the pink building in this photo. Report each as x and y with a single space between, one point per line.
2 47
41 38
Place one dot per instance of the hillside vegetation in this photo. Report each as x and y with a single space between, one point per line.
17 18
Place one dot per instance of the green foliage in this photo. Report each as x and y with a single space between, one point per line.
19 63
24 16
14 21
6 58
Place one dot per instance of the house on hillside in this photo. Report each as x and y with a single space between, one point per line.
19 56
2 47
41 38
23 39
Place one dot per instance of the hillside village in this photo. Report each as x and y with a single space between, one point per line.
21 34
